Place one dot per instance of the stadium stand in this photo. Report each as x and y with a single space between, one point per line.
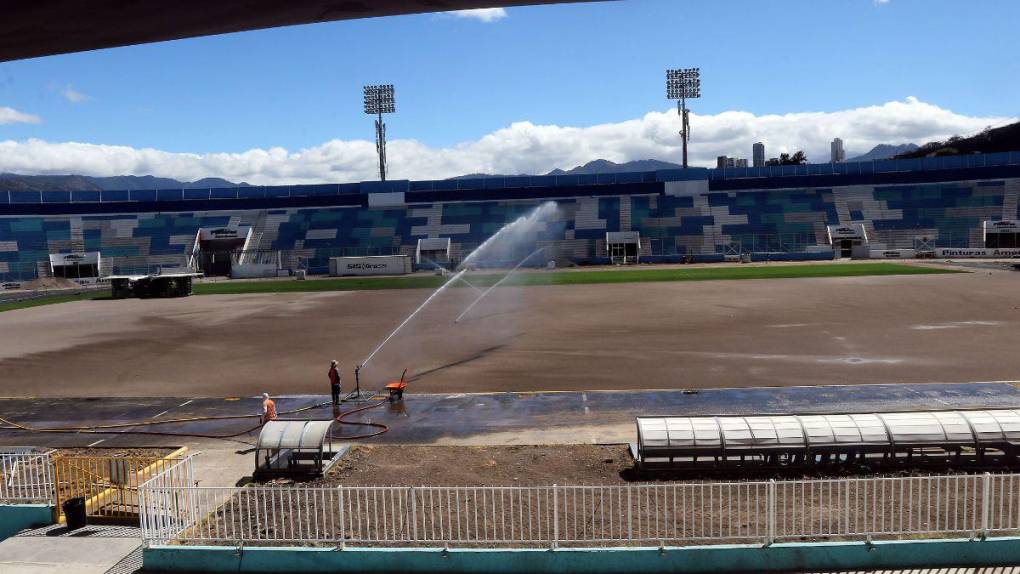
696 214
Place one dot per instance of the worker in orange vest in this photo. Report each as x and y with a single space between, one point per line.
268 409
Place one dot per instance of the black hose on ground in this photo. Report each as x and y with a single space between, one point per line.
108 428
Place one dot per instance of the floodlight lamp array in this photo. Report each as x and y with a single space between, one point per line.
683 83
379 99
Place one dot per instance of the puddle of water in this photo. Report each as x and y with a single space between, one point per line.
956 325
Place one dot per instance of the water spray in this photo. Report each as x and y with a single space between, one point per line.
496 284
532 216
412 315
462 280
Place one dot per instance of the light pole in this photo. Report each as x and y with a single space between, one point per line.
378 101
683 84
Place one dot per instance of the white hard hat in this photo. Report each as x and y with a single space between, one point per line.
265 395
333 362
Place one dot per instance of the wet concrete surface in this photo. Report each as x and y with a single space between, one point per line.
431 418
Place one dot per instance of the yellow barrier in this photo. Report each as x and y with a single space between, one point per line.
108 483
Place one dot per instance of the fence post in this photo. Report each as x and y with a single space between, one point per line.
846 505
192 500
343 522
770 512
556 518
986 498
414 514
630 514
143 517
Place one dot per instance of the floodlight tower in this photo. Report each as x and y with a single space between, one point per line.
378 101
683 84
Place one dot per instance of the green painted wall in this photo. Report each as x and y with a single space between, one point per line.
16 517
699 559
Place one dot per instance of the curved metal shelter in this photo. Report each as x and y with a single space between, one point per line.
807 438
294 447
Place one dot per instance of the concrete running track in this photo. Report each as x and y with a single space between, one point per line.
486 418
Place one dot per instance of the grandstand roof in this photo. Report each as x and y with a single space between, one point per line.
880 172
31 28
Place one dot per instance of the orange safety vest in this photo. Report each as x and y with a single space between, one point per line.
270 408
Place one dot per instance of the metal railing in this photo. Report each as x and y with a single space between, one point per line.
26 476
108 483
552 516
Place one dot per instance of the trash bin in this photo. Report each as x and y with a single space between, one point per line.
74 512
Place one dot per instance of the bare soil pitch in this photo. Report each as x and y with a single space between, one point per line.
620 336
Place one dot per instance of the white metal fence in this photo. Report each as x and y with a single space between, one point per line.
550 516
26 476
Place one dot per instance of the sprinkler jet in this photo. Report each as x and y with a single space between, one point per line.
496 284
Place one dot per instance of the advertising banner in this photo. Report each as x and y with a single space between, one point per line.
892 254
380 265
986 252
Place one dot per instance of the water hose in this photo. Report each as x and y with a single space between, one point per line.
151 422
340 419
108 428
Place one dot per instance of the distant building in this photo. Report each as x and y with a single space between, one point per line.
836 153
758 154
723 162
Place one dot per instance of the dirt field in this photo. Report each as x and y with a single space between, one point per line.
624 336
477 466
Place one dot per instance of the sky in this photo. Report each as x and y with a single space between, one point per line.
517 90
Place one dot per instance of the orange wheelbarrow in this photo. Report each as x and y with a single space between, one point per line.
396 388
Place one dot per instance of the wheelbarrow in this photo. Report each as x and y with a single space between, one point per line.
396 388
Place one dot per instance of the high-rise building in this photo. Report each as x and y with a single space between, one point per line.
836 153
723 162
758 154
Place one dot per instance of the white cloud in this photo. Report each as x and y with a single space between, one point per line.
13 116
880 2
522 147
483 14
72 95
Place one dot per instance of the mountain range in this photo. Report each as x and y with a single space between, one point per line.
592 167
885 151
17 182
881 151
989 140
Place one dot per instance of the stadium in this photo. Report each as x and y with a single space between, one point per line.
808 212
955 207
786 368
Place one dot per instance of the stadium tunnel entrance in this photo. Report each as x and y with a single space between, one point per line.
1002 234
623 247
849 241
215 248
75 265
433 252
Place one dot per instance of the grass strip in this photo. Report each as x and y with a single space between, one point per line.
576 277
45 300
563 277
